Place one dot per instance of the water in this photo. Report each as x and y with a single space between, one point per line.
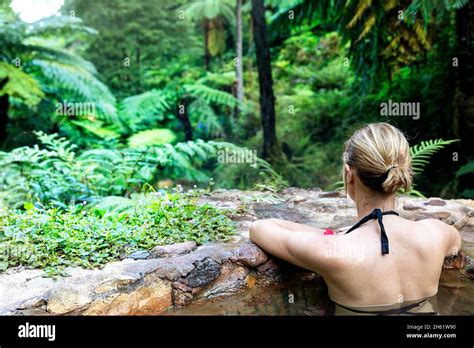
455 297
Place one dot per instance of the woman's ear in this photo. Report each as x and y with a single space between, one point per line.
349 176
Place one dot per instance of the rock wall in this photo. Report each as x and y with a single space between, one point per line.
153 282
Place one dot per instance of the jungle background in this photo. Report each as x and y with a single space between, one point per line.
172 83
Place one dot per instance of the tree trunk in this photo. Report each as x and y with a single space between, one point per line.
4 104
271 150
183 117
139 73
464 122
239 67
207 56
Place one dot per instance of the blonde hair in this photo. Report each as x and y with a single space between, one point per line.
380 155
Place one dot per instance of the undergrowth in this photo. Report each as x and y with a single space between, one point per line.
54 238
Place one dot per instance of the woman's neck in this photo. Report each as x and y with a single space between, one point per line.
368 201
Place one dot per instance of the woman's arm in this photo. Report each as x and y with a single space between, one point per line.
301 245
294 226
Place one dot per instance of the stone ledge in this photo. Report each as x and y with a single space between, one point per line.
181 274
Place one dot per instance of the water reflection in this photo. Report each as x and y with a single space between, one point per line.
455 296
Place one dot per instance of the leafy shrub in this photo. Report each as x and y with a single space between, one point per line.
58 174
77 236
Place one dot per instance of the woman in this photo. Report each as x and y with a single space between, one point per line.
384 264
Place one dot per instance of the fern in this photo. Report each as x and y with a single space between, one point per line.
211 95
58 175
420 153
98 129
114 204
49 68
202 114
55 25
61 147
20 85
144 109
80 83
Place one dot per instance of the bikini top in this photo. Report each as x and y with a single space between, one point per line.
376 214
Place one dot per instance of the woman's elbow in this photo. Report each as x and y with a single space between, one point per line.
256 229
253 231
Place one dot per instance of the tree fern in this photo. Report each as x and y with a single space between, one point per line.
56 70
212 14
81 83
378 37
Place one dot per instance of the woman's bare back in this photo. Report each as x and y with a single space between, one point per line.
411 270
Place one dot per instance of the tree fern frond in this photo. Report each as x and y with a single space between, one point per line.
141 109
97 128
211 95
420 153
369 23
210 9
362 5
20 85
205 117
389 4
61 146
80 83
54 24
60 55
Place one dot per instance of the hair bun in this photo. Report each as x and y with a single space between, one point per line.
397 177
369 151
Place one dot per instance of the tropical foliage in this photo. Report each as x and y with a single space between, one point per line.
107 108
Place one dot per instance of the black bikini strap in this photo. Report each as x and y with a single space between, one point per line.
376 214
402 310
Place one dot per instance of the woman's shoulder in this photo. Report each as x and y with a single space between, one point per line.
447 233
436 225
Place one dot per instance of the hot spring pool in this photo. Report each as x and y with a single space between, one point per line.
455 297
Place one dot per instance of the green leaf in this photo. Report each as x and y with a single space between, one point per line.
3 265
466 169
151 137
28 206
20 85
